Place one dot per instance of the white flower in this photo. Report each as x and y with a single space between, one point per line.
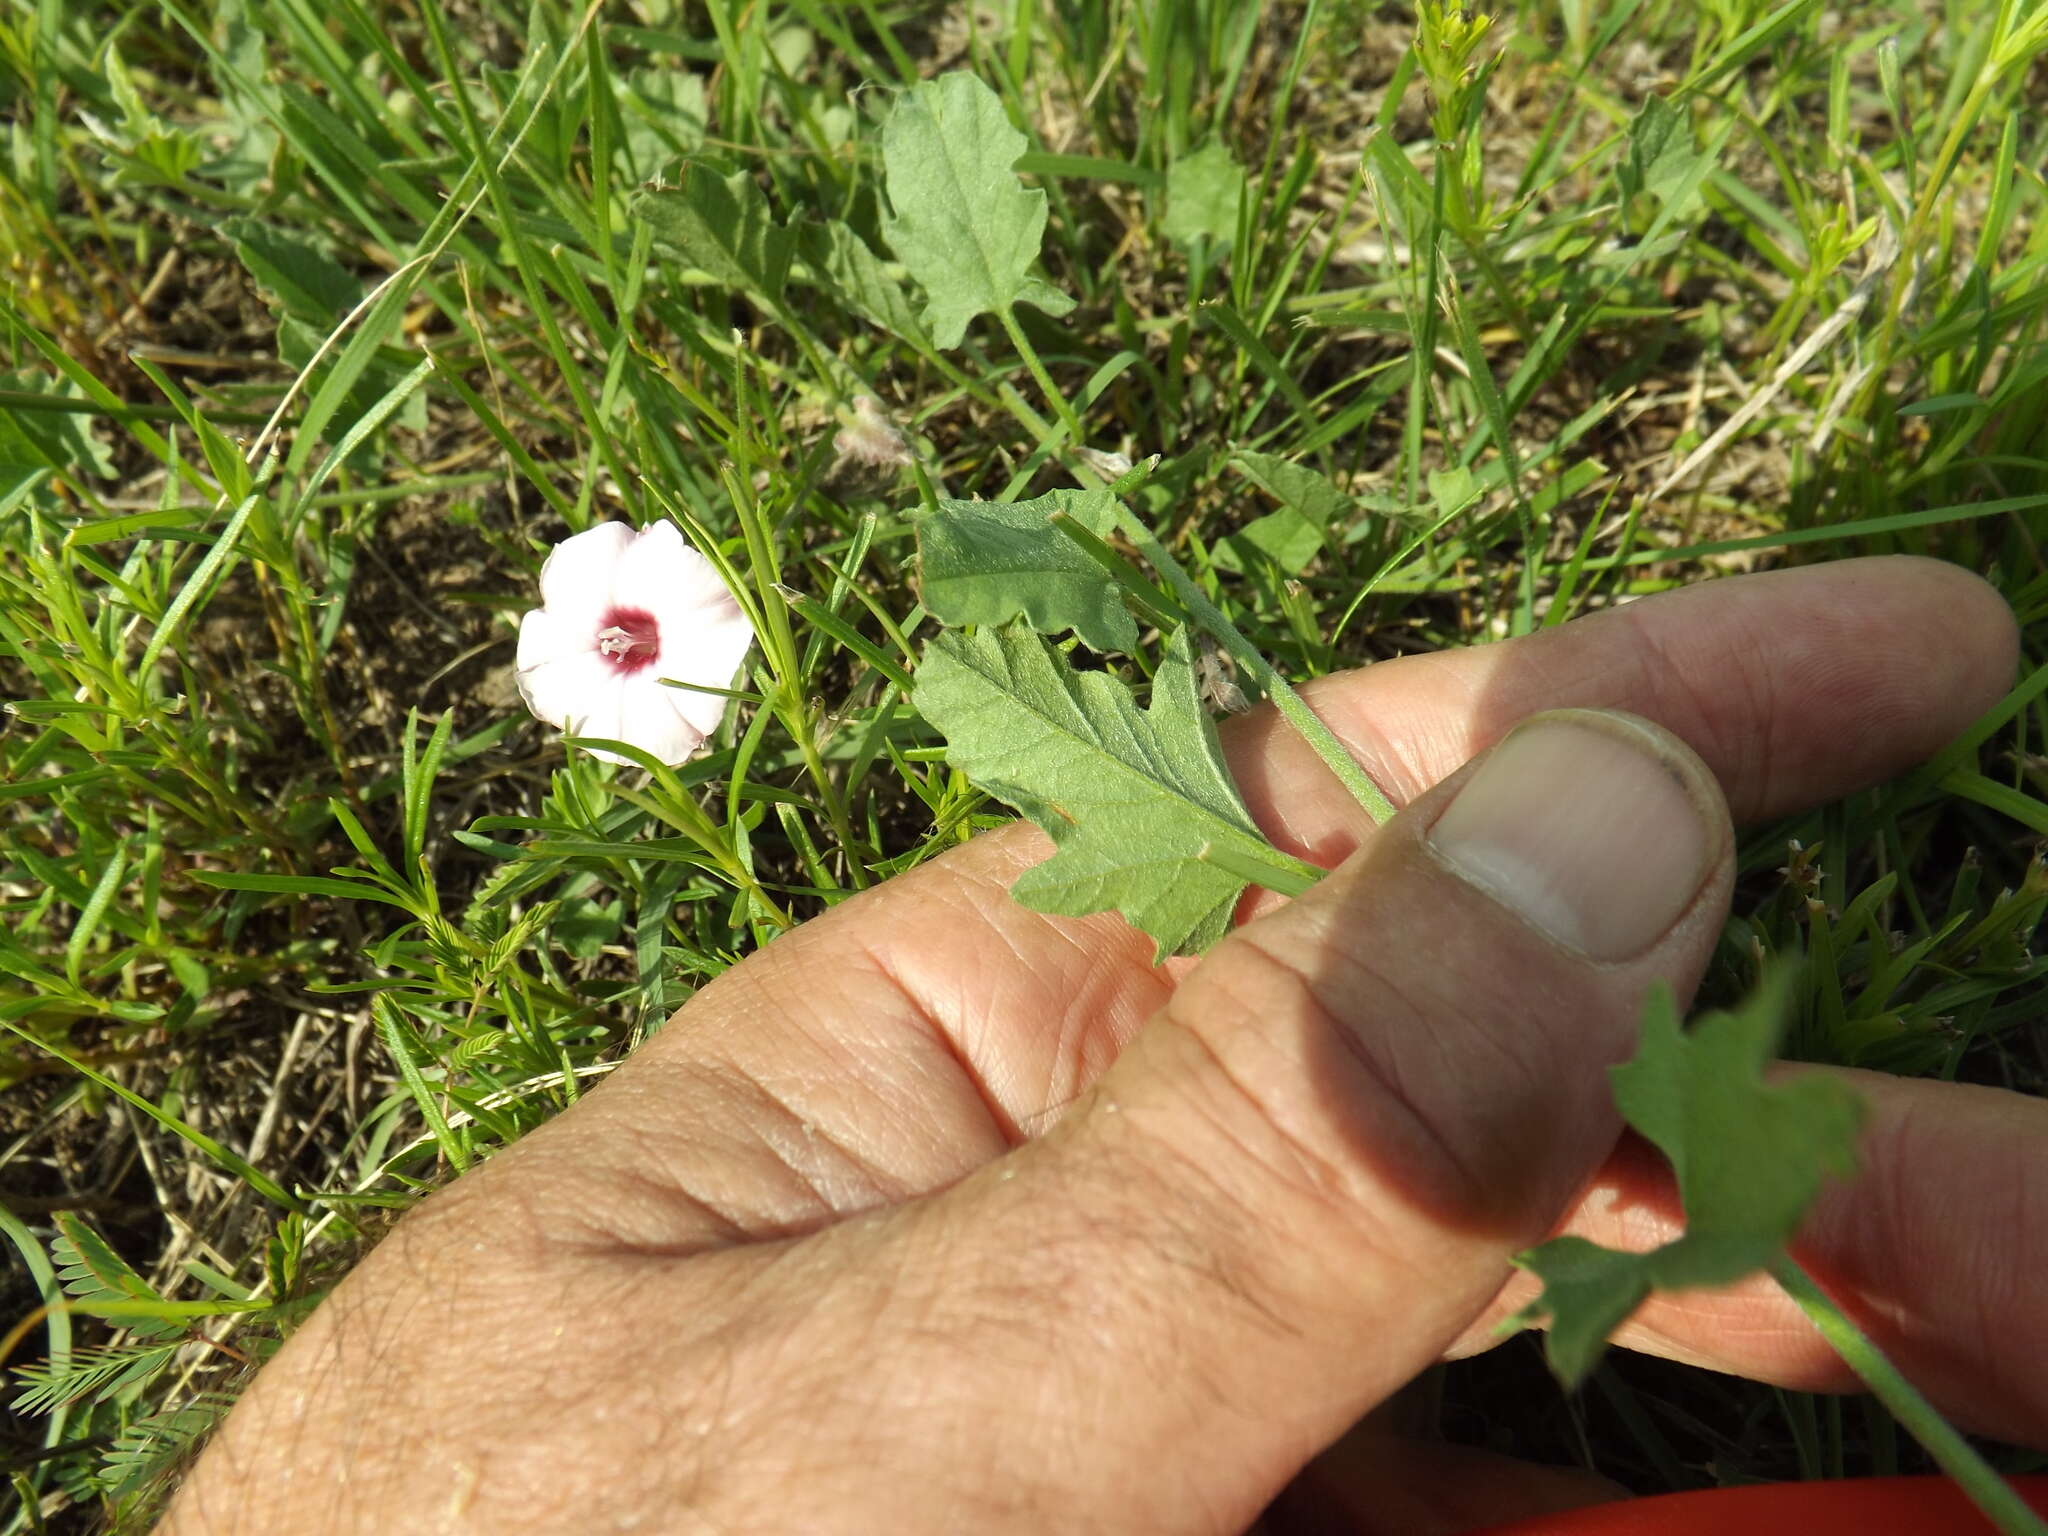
621 611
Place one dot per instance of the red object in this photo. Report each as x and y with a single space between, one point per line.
1870 1506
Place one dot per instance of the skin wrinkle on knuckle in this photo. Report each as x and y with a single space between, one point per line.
1728 711
791 1165
1735 703
788 995
958 1045
768 1154
1069 1071
605 1222
815 1160
1411 1052
584 1205
1104 950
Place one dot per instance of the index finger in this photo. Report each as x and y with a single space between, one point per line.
1795 686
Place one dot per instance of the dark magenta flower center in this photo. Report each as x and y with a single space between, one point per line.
629 638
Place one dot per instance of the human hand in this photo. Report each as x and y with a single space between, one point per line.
907 1223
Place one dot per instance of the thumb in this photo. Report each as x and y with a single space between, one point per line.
1308 1172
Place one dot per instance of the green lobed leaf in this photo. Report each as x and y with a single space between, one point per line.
307 283
1137 802
1453 489
586 926
1588 1292
988 562
959 219
836 252
1312 512
723 226
664 114
1749 1158
1661 159
1204 191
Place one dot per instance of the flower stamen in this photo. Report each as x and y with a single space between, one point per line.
630 639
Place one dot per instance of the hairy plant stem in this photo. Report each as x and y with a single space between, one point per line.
1061 407
679 808
1987 1490
778 644
1293 708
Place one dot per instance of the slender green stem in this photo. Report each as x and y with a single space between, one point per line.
779 645
30 400
681 811
1987 1490
400 490
1281 872
1293 708
1916 227
1029 353
1159 610
823 361
799 723
1422 359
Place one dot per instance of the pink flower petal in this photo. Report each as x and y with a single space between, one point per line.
576 582
710 651
566 690
665 576
648 719
546 637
